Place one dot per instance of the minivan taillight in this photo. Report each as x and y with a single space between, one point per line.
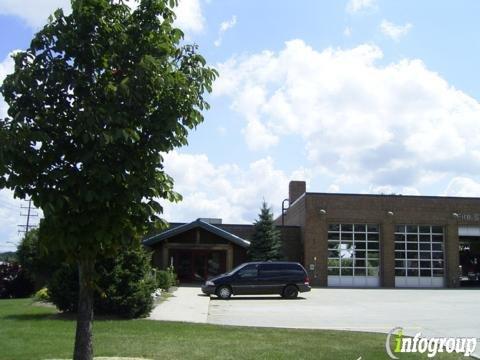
306 281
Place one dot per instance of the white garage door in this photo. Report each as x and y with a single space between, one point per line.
353 255
419 259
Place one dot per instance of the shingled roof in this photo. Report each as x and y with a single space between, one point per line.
152 240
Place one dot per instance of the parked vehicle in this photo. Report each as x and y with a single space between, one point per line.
260 278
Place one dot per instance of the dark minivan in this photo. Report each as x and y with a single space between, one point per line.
260 278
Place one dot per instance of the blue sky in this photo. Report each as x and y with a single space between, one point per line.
364 96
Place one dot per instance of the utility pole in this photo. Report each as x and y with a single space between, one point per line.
30 214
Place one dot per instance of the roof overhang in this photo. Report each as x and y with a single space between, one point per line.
155 239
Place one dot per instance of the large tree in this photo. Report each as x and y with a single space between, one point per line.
266 243
94 101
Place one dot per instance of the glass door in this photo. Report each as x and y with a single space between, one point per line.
199 266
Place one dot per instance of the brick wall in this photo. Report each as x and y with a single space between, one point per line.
386 211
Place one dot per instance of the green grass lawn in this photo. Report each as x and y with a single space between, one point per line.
29 332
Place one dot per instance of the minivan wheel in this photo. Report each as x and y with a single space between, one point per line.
224 292
290 292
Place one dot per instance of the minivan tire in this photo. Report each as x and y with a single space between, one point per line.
224 292
290 292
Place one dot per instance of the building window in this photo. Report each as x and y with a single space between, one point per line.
353 250
419 251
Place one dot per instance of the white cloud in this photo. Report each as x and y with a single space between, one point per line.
257 135
393 31
333 188
347 31
225 26
189 16
362 124
463 186
9 219
36 12
354 6
6 67
388 190
227 191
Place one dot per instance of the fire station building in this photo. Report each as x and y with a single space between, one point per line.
344 240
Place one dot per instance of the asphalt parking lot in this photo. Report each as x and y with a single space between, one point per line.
433 312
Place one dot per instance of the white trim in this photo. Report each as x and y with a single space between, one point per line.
354 281
419 282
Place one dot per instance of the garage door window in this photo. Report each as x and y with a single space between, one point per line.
353 250
419 251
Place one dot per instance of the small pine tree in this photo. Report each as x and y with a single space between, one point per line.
266 244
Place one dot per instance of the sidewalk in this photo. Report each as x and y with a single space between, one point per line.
185 304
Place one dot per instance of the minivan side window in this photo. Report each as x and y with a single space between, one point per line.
248 271
271 269
267 270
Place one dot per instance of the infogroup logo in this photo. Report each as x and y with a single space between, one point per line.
430 345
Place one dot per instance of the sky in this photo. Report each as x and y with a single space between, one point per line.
352 96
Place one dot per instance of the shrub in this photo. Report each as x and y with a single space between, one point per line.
163 281
124 286
173 276
63 288
166 278
42 295
14 283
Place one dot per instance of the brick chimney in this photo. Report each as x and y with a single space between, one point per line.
295 190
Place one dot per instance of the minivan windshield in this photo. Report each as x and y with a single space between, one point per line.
236 269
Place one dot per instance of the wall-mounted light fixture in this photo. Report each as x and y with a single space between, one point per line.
323 211
390 213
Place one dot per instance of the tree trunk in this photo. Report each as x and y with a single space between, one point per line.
83 338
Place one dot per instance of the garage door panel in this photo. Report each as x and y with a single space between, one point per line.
419 257
353 255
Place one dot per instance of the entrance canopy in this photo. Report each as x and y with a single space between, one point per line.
197 250
153 240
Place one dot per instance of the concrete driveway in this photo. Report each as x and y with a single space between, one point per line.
185 304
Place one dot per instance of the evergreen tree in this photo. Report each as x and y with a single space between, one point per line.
266 244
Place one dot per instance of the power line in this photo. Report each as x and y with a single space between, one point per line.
30 214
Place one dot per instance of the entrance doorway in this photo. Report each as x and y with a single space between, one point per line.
194 265
469 270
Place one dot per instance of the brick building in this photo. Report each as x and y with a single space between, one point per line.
352 240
